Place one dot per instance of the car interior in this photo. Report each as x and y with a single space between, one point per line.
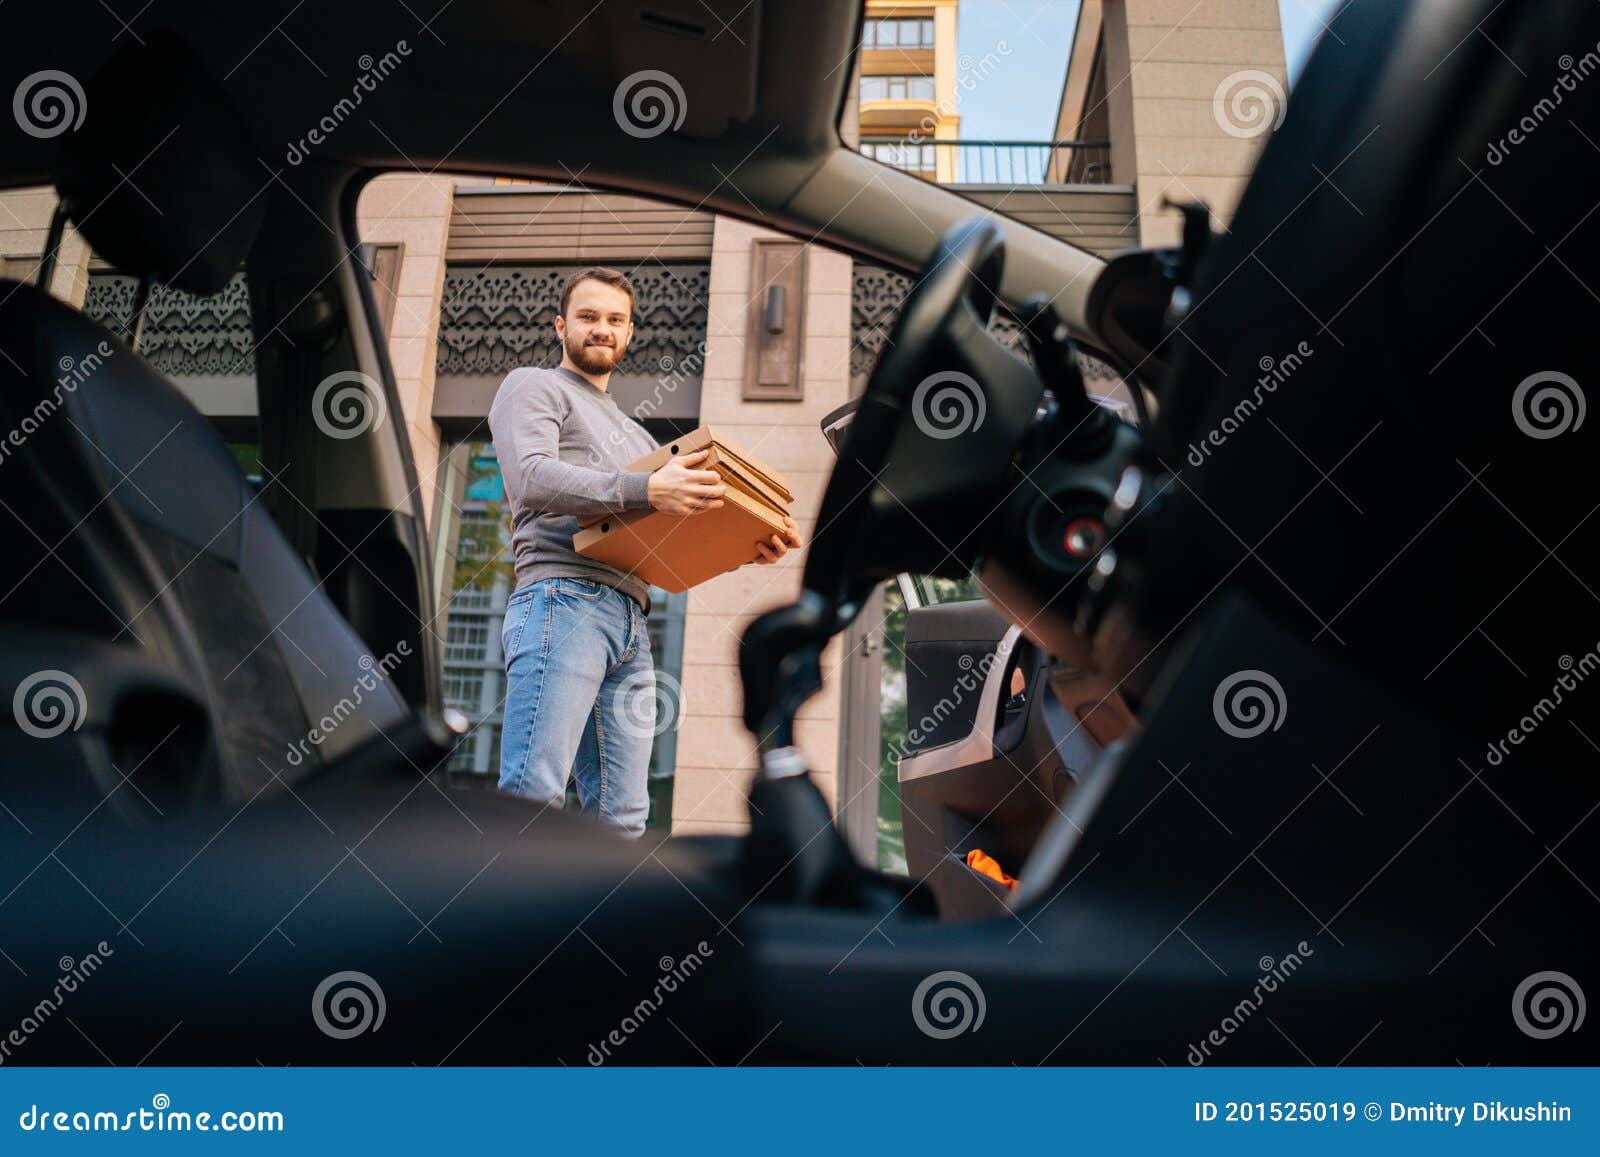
1367 538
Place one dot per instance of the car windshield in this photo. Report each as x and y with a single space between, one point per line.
1076 118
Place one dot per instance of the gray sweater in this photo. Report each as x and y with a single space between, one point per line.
563 447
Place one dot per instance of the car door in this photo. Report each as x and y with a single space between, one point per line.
988 751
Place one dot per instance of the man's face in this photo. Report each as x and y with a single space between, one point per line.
597 328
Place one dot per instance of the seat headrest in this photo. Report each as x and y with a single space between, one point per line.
163 178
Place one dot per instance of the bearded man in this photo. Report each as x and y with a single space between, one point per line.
576 638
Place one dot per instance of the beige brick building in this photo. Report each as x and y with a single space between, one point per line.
1185 91
466 272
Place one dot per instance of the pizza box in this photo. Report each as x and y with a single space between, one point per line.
678 551
737 468
724 452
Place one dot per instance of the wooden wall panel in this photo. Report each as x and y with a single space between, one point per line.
490 227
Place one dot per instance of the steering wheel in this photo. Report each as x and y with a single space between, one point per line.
919 472
920 465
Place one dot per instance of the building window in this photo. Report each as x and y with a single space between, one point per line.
470 600
463 690
897 88
898 33
467 640
913 156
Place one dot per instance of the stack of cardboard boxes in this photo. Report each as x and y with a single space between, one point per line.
676 552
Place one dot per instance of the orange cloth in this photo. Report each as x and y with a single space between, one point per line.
981 861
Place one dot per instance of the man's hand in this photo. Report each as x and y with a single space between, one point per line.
677 488
779 545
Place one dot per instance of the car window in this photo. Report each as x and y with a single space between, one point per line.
479 299
204 345
932 590
876 296
478 281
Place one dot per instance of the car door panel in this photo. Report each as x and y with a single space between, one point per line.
980 770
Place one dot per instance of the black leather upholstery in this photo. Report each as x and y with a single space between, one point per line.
119 439
132 524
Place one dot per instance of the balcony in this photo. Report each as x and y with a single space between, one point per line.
904 113
900 103
1009 163
1062 188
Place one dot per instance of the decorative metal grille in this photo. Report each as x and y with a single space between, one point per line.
875 306
183 334
496 318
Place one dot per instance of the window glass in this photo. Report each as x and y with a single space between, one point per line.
918 158
1026 94
943 590
485 303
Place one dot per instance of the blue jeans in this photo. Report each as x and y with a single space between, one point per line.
580 699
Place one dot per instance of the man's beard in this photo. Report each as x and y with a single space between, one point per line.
593 359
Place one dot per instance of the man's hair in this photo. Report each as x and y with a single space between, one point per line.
611 277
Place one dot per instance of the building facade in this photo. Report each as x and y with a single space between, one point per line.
468 273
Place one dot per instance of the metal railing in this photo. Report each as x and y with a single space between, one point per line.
998 162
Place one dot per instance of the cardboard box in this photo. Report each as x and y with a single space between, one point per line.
735 465
676 552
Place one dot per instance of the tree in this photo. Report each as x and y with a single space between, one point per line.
481 555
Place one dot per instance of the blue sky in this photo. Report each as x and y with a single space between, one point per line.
1017 100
